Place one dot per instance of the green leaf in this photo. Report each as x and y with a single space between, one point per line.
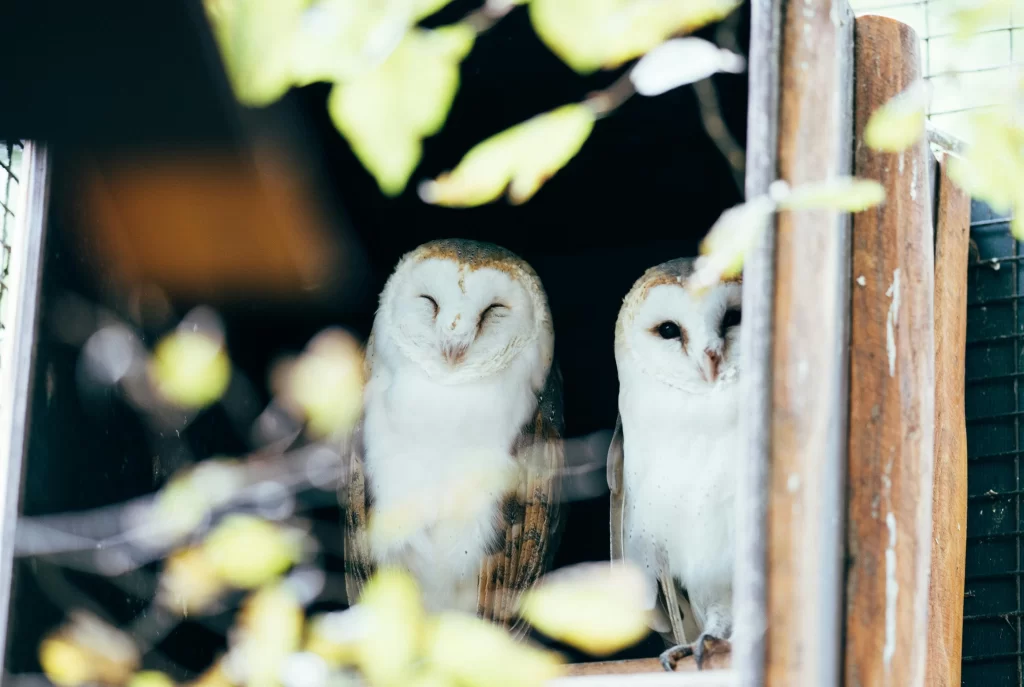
992 169
387 112
190 369
596 607
899 123
255 38
845 193
520 159
729 240
603 34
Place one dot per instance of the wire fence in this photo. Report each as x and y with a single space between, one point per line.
964 74
10 178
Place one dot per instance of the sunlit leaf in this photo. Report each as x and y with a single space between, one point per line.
337 40
431 677
270 628
325 384
596 607
214 676
729 240
385 113
304 669
86 649
844 193
64 663
520 159
899 123
179 508
336 637
971 16
151 678
424 8
393 632
190 369
255 38
601 34
992 169
480 654
681 61
246 551
189 582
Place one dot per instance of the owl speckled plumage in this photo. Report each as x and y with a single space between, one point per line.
460 377
674 455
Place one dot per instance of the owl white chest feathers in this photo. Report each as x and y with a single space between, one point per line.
423 439
679 471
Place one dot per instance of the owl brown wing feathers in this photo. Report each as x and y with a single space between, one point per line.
532 515
673 617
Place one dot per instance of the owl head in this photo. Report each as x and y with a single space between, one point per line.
678 336
462 310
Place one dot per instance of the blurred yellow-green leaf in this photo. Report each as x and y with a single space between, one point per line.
424 8
246 551
729 240
325 384
179 508
335 637
519 159
86 649
256 39
393 634
602 34
595 607
150 678
337 40
270 628
845 193
899 123
479 654
386 113
992 169
969 18
190 369
189 582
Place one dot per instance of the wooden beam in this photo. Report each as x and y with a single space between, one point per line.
809 361
646 665
949 500
892 403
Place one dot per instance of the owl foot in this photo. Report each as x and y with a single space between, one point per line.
701 649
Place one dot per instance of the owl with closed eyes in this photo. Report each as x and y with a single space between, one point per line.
673 460
461 391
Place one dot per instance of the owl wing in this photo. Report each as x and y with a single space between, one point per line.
356 504
531 516
672 615
355 501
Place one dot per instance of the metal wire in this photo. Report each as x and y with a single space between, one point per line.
10 171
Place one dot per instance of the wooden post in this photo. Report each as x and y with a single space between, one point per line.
809 371
949 505
892 397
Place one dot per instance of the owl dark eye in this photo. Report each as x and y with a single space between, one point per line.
669 330
732 318
490 309
432 303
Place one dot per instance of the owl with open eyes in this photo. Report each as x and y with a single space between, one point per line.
673 459
460 382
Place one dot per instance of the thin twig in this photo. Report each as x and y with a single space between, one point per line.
714 124
603 103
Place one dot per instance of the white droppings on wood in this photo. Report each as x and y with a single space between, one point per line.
913 177
892 319
861 281
901 162
892 591
793 483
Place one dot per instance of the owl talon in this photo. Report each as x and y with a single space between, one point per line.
704 646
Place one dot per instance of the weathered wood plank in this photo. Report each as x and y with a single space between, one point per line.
809 363
892 403
647 665
949 493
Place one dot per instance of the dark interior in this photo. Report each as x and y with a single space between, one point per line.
644 189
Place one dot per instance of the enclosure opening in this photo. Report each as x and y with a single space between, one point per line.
644 189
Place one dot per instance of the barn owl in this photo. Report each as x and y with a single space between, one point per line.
461 389
673 458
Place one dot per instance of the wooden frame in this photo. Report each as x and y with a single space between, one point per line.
16 377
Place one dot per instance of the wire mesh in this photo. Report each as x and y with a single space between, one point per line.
10 171
964 75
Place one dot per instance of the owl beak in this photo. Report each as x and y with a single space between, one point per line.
454 352
709 365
